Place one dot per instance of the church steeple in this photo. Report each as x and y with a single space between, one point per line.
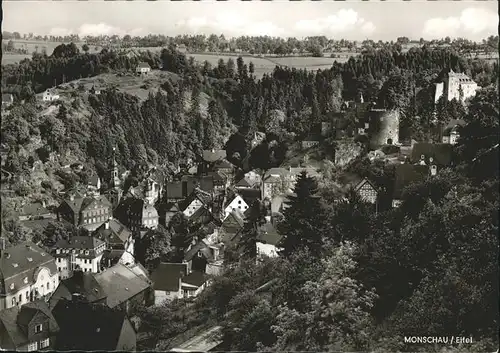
114 180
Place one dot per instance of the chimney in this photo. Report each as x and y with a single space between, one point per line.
106 224
43 203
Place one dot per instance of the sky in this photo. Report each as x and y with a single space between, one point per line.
353 20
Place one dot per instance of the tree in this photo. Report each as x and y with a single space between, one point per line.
304 225
159 246
85 48
336 317
254 219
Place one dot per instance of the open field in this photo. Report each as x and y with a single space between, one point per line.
13 58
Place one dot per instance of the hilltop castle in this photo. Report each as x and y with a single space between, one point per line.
457 86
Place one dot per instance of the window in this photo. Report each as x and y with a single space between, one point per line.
86 252
48 285
12 286
27 295
38 328
45 343
25 280
20 298
59 269
32 346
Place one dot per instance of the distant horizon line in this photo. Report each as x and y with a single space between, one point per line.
229 37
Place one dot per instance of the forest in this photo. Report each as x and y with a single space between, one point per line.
349 279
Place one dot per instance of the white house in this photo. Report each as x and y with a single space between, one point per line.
268 240
194 202
236 204
27 273
119 241
143 68
49 96
78 252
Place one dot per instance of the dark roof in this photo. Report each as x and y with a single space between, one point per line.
33 209
223 164
442 153
213 155
79 242
21 261
98 328
116 233
174 190
167 275
216 176
194 250
195 278
202 215
267 234
452 125
79 203
111 257
16 318
205 182
250 195
93 180
82 283
407 174
121 284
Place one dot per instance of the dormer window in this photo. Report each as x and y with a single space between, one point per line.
15 265
86 252
58 251
25 280
30 259
12 286
38 328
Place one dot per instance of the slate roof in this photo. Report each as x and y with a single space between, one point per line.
16 318
195 278
111 257
79 242
407 174
194 250
80 203
22 261
167 275
268 234
83 283
213 155
117 233
120 284
442 153
223 164
98 327
250 195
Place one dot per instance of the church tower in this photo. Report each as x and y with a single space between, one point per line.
114 193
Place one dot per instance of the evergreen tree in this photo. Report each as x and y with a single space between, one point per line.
254 219
304 225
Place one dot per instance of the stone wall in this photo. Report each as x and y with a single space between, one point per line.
385 128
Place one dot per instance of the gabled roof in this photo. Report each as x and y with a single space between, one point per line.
213 155
167 275
223 164
21 261
250 195
120 284
363 182
82 283
195 278
14 319
116 233
98 328
79 242
407 174
268 234
442 153
194 250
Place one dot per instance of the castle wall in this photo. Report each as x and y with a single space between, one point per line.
439 91
385 128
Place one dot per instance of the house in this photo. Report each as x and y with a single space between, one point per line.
279 180
224 167
367 190
237 203
98 328
78 252
175 280
7 99
119 286
451 132
27 273
86 212
407 174
94 185
205 182
31 327
136 214
34 211
310 141
118 239
166 211
218 179
196 200
457 86
143 68
49 96
231 228
436 155
95 90
202 254
209 158
249 180
268 239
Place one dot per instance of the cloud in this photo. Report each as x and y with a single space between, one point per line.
230 24
341 22
92 29
472 22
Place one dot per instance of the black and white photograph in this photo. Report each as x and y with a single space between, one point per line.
251 176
